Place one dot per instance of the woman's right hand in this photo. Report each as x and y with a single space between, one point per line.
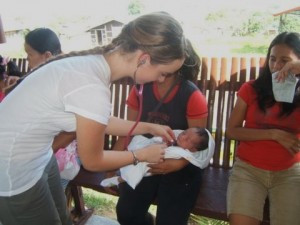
288 140
152 154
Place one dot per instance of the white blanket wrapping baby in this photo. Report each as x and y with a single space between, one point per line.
133 174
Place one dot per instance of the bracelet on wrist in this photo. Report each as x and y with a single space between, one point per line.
135 159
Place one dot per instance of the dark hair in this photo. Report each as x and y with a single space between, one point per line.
9 69
43 40
203 138
263 84
191 66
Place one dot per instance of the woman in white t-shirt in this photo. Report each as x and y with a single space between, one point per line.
71 93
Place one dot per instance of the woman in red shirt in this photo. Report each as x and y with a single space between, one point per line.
268 131
178 103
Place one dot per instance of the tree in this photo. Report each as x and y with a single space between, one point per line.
289 22
135 7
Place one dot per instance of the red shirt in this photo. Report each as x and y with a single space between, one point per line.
2 96
268 155
196 106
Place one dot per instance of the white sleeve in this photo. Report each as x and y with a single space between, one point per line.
91 101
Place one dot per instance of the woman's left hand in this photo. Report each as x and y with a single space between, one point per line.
168 166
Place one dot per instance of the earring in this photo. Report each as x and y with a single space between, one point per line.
141 62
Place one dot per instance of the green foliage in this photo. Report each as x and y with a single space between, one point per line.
103 205
250 49
289 23
135 7
200 220
248 22
216 16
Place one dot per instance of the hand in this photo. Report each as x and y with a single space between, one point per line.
290 67
168 166
9 82
152 154
288 140
163 131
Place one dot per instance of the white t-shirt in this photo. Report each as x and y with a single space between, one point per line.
44 104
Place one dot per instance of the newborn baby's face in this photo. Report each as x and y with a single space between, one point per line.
188 139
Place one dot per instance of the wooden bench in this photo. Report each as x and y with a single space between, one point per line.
219 79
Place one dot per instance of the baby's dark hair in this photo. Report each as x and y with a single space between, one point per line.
8 68
203 138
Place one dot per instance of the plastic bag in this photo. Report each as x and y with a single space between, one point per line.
67 161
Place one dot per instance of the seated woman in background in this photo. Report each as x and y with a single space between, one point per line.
9 73
40 45
267 163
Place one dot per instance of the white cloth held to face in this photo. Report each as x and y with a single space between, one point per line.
284 91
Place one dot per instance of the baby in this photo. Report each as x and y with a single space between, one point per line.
194 144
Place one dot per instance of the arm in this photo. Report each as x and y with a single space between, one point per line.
236 131
292 67
120 127
10 83
62 140
120 146
90 140
120 143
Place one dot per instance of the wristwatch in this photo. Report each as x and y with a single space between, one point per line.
135 159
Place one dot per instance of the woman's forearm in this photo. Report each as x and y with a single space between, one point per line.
62 140
120 127
249 134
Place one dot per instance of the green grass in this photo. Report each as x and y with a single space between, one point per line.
104 205
229 46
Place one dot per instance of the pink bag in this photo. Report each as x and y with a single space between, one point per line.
67 161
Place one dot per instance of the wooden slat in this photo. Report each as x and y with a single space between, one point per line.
220 129
22 64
